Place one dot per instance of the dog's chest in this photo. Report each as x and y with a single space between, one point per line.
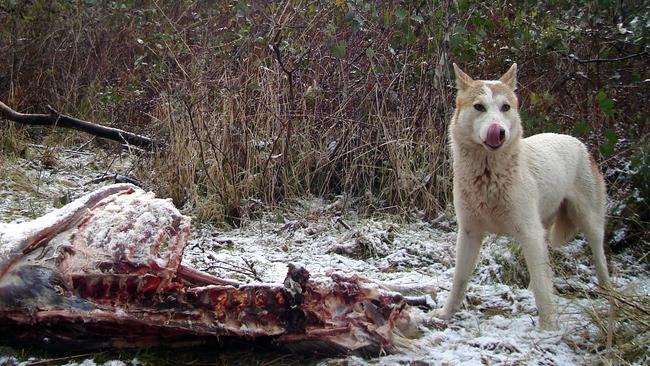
486 194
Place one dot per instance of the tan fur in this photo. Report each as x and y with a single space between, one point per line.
520 188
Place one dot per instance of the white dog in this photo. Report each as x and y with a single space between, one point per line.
507 185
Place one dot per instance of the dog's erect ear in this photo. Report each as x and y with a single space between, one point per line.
510 77
462 79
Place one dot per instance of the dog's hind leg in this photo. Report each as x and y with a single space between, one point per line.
590 216
595 235
541 276
588 211
592 223
467 249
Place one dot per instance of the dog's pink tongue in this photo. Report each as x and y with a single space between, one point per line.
493 137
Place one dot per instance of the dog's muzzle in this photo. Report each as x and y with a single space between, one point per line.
496 135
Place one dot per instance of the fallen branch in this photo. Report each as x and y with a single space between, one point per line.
117 178
54 118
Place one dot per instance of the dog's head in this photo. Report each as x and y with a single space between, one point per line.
487 110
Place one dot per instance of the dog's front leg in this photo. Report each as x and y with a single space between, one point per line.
467 249
541 275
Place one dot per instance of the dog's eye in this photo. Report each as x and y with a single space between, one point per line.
479 107
505 107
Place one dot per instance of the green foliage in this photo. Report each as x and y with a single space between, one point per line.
631 219
605 103
511 269
582 128
606 148
339 49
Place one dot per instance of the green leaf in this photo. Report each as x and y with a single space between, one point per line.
241 9
460 30
409 36
610 136
400 13
418 18
581 128
606 104
607 147
387 19
606 150
340 48
356 26
62 201
370 52
457 39
279 218
535 98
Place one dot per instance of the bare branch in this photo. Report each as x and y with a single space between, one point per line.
54 119
601 60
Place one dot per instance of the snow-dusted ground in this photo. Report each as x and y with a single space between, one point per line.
496 326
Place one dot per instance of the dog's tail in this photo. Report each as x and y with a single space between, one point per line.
563 228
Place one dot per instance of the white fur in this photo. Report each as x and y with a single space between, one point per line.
523 189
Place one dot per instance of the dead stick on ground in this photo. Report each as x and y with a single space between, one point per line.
343 223
49 360
54 118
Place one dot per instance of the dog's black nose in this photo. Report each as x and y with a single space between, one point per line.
502 133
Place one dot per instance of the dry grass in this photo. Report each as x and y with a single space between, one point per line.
623 324
254 140
222 155
12 141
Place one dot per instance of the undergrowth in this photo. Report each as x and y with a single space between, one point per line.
258 102
265 101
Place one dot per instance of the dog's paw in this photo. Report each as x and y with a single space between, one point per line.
549 324
440 314
437 319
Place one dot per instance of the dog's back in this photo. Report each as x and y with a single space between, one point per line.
568 182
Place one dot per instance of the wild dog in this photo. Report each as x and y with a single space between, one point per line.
521 187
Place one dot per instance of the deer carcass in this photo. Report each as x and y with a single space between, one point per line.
106 271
